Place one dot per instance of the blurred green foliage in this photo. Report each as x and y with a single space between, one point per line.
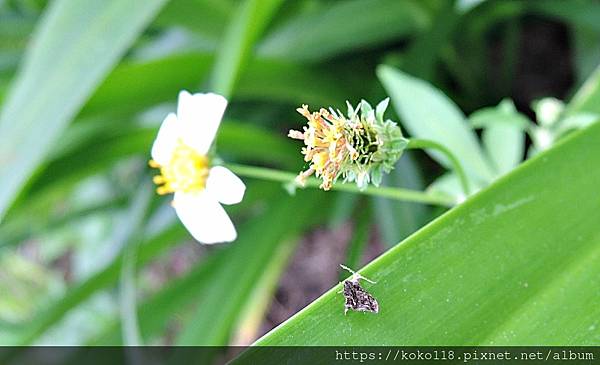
84 86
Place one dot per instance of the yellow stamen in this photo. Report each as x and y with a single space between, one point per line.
187 171
319 161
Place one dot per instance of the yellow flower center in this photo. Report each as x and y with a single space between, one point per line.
187 171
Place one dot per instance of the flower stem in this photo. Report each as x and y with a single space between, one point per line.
416 143
132 231
382 191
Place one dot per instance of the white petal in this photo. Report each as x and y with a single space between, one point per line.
204 217
166 140
200 116
225 186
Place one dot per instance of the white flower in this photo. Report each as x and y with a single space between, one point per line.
180 152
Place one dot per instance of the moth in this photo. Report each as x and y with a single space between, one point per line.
357 298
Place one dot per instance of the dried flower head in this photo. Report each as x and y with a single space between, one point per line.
359 147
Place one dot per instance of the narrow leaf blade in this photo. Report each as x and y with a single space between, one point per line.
75 46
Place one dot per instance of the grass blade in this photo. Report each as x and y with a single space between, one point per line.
321 34
137 214
244 30
75 46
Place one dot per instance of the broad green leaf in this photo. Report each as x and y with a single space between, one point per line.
505 145
214 317
73 48
246 26
322 33
427 113
503 134
516 264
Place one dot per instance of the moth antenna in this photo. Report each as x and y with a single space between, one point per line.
362 277
357 275
347 268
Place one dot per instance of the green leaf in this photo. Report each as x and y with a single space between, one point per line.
19 229
135 86
133 232
503 134
74 47
245 28
277 80
504 145
206 17
516 264
587 98
423 53
427 113
323 33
